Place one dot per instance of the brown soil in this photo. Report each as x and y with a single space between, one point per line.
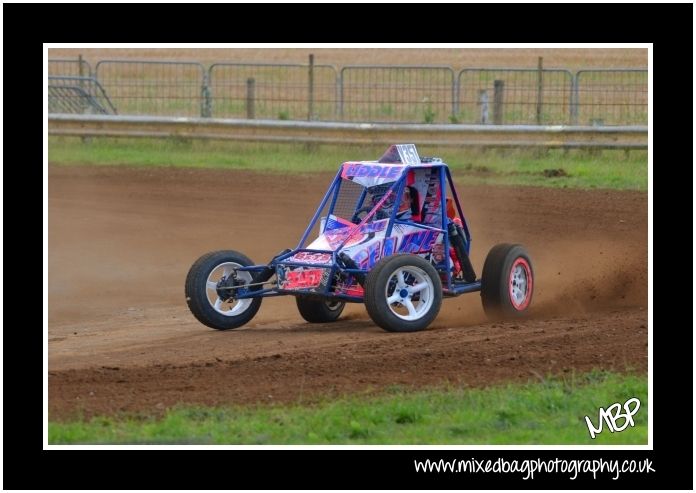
121 338
457 58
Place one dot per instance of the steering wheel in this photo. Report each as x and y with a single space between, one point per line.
363 211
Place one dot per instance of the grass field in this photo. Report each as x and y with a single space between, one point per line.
570 58
553 168
546 412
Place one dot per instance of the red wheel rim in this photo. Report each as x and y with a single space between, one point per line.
520 284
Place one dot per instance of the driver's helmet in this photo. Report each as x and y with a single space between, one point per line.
404 204
374 195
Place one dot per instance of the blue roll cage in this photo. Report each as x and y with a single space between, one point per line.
397 187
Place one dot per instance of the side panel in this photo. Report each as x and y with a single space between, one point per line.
403 239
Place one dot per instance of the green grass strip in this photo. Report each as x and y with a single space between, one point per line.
547 412
550 168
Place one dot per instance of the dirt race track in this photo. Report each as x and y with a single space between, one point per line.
121 338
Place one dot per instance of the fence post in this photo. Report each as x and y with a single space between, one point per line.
85 140
455 97
574 98
206 105
80 72
310 103
340 94
483 101
498 88
250 99
540 89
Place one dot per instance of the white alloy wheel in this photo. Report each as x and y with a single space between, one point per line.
226 308
409 293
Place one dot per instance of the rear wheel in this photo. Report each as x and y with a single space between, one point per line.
507 282
319 311
403 293
208 295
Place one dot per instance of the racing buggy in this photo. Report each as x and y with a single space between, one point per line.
388 233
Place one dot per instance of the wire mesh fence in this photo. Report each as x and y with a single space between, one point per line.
273 91
77 95
69 67
396 94
154 88
612 97
514 96
361 93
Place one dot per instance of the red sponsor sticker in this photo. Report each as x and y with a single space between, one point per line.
302 278
312 258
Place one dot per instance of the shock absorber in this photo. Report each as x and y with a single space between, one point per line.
350 264
265 274
456 235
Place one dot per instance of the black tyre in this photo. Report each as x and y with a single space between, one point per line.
319 311
507 282
203 293
403 293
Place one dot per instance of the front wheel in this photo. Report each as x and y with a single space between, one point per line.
507 282
208 292
403 293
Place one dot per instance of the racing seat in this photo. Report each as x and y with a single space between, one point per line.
416 213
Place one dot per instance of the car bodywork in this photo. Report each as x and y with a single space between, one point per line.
339 247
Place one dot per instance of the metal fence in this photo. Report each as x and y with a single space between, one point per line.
514 96
396 94
358 93
78 95
273 91
154 88
612 97
69 67
479 136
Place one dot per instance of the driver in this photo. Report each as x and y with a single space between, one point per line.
404 212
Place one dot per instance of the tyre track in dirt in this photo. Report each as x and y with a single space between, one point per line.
121 240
